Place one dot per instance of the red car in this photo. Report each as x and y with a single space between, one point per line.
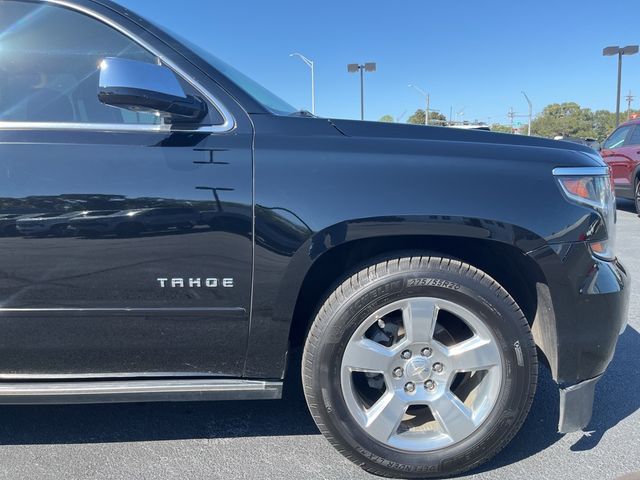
621 151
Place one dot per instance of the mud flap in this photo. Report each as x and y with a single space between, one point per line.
576 405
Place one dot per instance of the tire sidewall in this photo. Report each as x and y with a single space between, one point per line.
489 305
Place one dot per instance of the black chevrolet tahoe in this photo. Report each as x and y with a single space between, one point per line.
214 238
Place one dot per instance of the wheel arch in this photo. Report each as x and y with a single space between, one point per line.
494 247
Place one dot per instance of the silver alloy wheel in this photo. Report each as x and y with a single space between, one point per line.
638 196
429 369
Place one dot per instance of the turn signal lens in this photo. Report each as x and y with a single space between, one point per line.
593 189
599 248
578 187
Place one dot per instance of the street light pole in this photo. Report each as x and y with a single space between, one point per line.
313 88
367 67
616 50
428 112
619 87
530 113
362 94
311 65
427 98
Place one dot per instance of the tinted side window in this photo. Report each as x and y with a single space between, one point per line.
617 138
49 58
634 139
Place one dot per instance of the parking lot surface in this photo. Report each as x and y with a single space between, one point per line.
277 439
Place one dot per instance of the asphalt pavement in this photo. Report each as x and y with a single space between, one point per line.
277 439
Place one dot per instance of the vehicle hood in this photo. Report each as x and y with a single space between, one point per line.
34 220
354 128
113 216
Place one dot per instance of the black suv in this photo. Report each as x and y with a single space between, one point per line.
420 272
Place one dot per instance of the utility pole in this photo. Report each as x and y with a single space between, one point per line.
629 99
511 116
450 115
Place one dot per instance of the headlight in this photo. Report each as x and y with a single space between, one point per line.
592 187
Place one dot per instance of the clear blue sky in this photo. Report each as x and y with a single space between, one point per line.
476 55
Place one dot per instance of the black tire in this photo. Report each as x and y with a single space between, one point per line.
637 195
380 284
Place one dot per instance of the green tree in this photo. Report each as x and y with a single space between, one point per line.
435 118
497 127
387 119
604 122
564 119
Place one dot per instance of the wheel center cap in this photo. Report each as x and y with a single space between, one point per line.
418 369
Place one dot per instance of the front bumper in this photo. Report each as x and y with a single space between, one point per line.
587 306
32 230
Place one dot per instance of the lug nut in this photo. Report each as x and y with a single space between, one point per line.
426 352
430 385
406 354
410 387
438 367
398 372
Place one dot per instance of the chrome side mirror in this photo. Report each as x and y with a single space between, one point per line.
146 87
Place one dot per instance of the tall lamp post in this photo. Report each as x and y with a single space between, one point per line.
530 113
311 65
426 96
356 67
616 50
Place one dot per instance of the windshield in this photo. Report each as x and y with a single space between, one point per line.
269 100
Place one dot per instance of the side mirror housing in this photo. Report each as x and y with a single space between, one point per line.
145 87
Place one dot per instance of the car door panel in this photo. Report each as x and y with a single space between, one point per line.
620 161
105 296
90 304
619 156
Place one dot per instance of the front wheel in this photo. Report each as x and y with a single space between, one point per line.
637 196
419 367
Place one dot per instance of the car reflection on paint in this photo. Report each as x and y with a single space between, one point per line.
8 223
55 224
137 221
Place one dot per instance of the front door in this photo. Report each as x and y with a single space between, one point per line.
113 258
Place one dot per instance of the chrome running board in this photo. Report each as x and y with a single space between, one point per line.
126 391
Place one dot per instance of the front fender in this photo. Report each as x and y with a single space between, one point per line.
274 308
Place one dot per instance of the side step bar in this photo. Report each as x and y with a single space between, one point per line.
130 391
